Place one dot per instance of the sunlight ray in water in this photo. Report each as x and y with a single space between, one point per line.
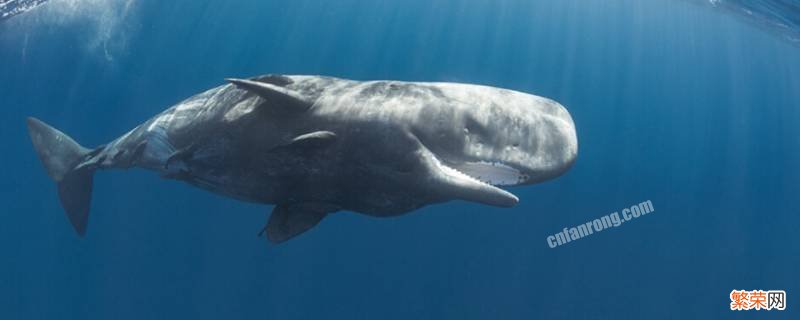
108 19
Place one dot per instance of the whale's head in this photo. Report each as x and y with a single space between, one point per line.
487 138
455 141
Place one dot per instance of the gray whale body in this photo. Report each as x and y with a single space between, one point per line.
314 145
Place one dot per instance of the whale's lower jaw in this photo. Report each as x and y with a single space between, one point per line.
456 184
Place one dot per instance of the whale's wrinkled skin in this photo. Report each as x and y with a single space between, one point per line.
315 145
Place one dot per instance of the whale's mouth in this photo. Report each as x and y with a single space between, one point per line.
493 173
473 181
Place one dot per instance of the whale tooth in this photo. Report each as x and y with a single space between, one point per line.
494 173
456 184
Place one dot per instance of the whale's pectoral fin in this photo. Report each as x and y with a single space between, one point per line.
289 221
315 139
278 97
308 142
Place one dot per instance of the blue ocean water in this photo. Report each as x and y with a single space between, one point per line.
675 102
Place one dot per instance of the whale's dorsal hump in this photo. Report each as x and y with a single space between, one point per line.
279 96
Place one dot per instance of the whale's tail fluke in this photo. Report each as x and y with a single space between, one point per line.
61 157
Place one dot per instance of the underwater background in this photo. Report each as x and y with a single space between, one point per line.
693 105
